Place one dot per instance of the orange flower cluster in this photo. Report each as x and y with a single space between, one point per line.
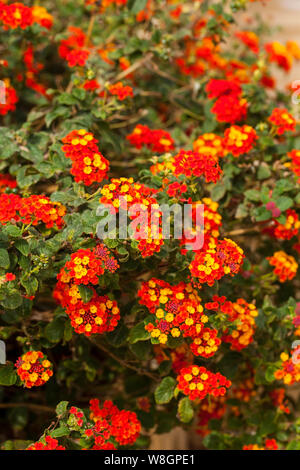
294 155
210 144
285 266
121 91
17 15
278 398
282 121
11 98
177 309
86 266
289 371
242 315
88 164
190 164
198 382
270 444
250 39
157 140
98 315
31 210
288 230
73 48
50 444
7 181
239 139
111 423
124 193
218 258
229 106
207 344
282 55
34 369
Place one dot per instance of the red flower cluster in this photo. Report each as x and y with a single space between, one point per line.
289 371
121 91
206 344
250 39
7 181
50 444
218 258
190 164
282 55
11 98
34 369
177 309
99 314
73 49
31 210
198 382
239 139
111 423
282 121
289 229
124 193
229 106
285 266
270 444
156 140
88 164
242 315
17 15
278 398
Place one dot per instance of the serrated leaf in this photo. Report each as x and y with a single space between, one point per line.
165 391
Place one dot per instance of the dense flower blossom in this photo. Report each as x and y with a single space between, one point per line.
190 164
121 91
110 422
41 16
31 210
279 54
287 230
210 144
242 316
278 398
87 265
177 309
34 369
250 39
230 108
239 139
219 258
88 164
10 277
73 48
282 120
289 370
198 382
7 182
125 193
207 344
285 265
15 15
270 444
216 88
49 444
157 140
11 98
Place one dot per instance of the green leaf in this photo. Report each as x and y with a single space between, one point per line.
23 247
165 391
138 333
185 410
86 293
13 300
283 203
31 285
54 331
4 259
136 6
63 430
253 195
118 336
8 375
61 408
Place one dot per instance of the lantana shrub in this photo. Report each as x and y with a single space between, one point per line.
137 102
